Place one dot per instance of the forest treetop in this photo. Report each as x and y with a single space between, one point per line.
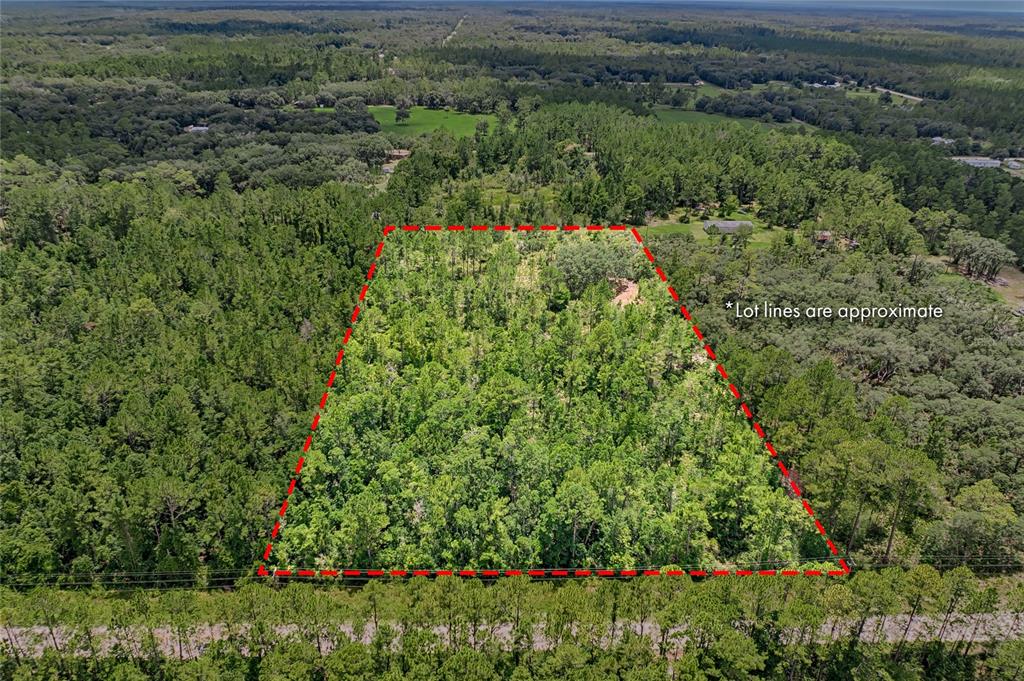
190 197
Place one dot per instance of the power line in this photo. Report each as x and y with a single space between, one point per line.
229 578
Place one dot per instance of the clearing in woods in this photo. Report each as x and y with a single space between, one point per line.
423 120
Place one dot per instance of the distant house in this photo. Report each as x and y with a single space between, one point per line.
197 128
726 226
1014 165
979 161
394 156
823 238
945 141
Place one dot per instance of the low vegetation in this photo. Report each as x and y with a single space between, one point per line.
422 120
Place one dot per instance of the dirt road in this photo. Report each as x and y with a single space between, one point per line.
188 643
454 31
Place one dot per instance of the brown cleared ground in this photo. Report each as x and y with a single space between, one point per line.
1013 292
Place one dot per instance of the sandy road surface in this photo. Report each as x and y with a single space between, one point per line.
190 643
454 31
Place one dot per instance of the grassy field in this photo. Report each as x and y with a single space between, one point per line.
672 115
422 120
709 90
759 87
760 239
862 94
702 90
875 96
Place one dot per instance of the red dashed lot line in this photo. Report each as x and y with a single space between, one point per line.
363 574
545 572
316 422
758 429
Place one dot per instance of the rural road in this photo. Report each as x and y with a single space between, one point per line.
190 642
912 98
454 31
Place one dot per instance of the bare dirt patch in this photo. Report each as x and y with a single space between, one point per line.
1010 285
626 292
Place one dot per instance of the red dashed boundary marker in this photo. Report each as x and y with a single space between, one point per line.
685 312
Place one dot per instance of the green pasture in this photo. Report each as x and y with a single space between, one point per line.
422 120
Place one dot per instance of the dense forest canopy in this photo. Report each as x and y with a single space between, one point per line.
116 94
214 313
521 419
190 199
